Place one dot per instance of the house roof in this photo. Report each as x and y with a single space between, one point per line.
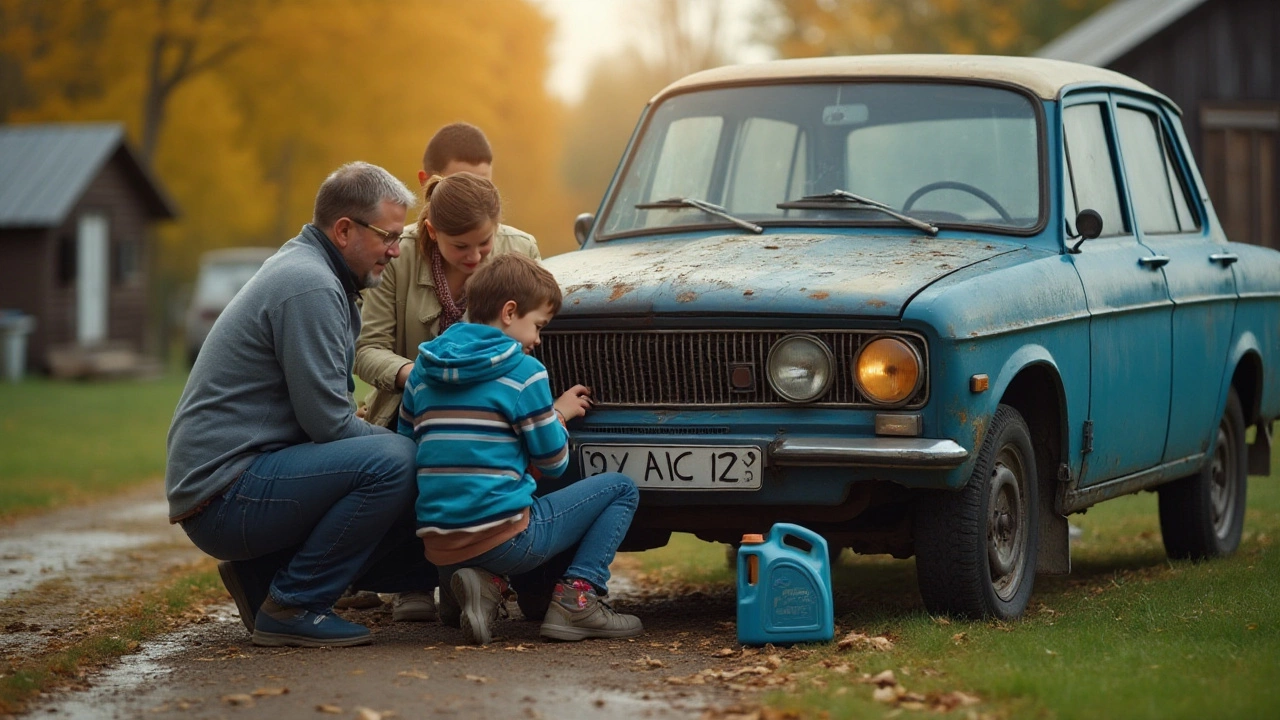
1045 78
45 169
1115 30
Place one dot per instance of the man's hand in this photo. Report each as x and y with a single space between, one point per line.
574 403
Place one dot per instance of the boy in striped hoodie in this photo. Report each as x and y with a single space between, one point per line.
480 409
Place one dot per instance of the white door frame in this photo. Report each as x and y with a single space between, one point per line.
91 278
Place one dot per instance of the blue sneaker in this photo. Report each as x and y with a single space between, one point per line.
277 626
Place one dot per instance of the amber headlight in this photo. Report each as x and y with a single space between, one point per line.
887 370
800 368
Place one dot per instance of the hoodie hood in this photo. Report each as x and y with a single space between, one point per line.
468 353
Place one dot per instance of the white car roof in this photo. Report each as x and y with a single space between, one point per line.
1045 78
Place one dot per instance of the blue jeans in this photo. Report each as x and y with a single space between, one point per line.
312 519
593 513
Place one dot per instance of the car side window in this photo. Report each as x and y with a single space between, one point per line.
1159 195
774 146
1089 165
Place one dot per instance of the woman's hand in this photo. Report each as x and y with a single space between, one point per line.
574 403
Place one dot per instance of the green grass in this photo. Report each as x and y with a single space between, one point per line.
1128 634
68 441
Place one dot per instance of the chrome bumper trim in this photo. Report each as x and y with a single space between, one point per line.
868 452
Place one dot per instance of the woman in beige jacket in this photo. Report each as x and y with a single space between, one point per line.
410 305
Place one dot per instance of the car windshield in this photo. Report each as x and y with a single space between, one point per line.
946 154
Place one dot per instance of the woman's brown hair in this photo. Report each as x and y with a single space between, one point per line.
456 205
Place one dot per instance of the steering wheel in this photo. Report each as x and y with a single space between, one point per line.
955 185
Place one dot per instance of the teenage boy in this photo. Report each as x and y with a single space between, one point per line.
481 411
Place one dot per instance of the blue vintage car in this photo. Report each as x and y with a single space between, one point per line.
923 305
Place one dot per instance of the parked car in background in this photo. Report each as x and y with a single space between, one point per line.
222 273
923 305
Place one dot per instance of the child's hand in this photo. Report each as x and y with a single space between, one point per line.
574 402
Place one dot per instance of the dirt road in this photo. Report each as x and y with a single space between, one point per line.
55 568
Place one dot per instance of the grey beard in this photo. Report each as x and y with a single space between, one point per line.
370 280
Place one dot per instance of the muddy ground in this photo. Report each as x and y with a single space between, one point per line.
55 570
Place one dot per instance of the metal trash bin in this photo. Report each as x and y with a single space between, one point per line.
15 326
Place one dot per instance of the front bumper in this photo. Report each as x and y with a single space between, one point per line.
880 452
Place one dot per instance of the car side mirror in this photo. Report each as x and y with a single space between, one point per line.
1088 227
582 227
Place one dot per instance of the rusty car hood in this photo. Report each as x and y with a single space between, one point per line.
789 274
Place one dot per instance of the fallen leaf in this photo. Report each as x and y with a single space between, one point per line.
862 640
477 678
269 691
882 679
329 709
1047 651
774 661
955 699
651 662
727 652
414 674
518 648
960 638
367 714
885 694
238 699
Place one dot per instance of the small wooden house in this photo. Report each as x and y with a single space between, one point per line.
1219 60
75 207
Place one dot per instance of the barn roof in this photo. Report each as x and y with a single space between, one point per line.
45 169
1115 30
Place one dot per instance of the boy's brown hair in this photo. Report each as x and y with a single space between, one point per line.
459 141
510 276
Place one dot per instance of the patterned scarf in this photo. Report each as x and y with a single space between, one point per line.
451 309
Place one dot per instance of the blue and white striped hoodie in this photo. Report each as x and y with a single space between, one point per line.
480 411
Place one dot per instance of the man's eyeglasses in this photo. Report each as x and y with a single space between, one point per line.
388 238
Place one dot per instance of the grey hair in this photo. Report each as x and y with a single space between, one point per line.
357 190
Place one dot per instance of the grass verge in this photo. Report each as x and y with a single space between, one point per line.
1127 634
63 442
111 633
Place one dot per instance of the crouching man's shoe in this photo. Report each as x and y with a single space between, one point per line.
278 626
577 613
248 592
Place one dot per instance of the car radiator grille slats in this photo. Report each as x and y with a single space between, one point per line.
675 368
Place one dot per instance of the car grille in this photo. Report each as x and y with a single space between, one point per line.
694 368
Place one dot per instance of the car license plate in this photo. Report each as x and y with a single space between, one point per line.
677 467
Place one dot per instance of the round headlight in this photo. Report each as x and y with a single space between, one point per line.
800 368
887 370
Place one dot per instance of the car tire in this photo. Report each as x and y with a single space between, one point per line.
976 547
1202 515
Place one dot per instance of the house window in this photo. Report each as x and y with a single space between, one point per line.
68 260
126 266
1241 144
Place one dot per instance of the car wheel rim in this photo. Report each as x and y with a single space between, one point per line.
1007 524
1222 485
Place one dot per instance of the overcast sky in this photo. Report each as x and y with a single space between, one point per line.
590 29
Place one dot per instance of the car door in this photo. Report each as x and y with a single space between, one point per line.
1129 307
1196 267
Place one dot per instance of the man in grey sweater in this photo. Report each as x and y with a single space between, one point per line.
269 469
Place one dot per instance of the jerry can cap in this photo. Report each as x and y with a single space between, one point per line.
752 539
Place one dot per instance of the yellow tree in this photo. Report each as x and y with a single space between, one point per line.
808 28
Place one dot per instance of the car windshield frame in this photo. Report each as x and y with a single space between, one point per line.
852 216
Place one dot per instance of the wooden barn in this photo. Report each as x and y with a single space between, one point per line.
1219 60
76 204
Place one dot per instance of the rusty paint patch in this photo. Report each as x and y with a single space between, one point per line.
877 303
748 292
619 290
575 288
820 295
687 296
771 247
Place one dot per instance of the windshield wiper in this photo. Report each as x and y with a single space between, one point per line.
811 202
704 206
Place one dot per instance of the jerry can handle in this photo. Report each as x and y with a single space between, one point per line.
817 543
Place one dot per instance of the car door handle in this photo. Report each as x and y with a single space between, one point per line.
1225 258
1153 262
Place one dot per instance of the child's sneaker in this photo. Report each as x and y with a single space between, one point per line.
414 607
480 595
447 606
277 626
577 613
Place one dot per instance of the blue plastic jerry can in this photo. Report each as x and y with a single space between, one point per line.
784 592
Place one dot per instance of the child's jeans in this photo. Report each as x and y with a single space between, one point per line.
596 511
